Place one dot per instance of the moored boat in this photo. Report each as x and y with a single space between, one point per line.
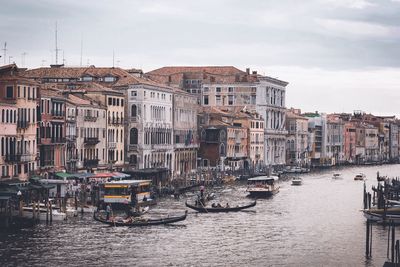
201 208
138 221
263 186
44 214
381 217
297 181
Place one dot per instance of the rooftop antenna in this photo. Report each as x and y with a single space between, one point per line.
56 46
5 52
23 59
63 58
81 48
113 58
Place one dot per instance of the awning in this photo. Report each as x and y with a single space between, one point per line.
83 175
120 175
65 175
102 175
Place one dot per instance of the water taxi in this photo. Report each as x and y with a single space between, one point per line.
359 177
263 186
337 176
297 181
121 192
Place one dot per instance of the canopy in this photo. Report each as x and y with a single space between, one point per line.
65 175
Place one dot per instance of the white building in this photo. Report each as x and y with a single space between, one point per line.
149 128
270 104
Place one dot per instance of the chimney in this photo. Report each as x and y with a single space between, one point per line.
254 72
248 71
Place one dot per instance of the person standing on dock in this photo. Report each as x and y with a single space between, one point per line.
108 211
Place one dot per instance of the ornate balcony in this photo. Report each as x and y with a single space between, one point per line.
112 145
90 141
90 118
12 158
22 124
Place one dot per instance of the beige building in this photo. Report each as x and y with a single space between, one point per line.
91 121
185 110
115 103
18 123
297 147
254 124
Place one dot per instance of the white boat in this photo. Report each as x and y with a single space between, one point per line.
337 176
297 181
263 186
87 209
359 177
27 212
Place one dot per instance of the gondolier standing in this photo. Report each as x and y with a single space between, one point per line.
108 211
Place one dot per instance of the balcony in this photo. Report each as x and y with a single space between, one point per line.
70 118
90 163
133 119
27 157
73 158
115 121
112 145
22 124
90 141
12 158
90 118
57 140
57 114
71 138
133 147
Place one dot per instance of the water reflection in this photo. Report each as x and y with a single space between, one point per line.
318 223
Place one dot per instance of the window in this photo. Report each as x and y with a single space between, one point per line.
122 102
230 100
205 100
87 79
133 93
205 89
133 111
109 79
230 89
218 100
114 102
134 136
218 89
10 92
109 101
117 101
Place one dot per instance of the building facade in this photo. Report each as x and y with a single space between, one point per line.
19 101
297 147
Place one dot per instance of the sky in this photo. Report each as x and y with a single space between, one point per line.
337 55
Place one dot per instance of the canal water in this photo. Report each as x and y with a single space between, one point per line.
318 223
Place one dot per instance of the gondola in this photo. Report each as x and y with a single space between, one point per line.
219 209
140 221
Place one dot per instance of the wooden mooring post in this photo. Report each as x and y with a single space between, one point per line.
368 240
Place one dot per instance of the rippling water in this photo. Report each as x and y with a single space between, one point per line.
318 223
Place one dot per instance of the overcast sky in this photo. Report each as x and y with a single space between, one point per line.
337 55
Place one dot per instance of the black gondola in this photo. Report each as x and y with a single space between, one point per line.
140 221
220 209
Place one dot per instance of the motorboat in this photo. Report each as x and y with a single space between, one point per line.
359 177
337 176
297 181
262 186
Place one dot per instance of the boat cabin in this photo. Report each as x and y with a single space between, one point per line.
262 180
122 191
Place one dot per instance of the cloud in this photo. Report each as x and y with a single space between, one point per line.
355 29
356 4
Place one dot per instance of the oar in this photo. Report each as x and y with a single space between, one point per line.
203 206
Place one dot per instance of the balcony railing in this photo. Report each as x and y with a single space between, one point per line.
90 118
72 158
112 145
133 147
12 158
57 140
91 141
133 119
27 157
70 118
115 121
90 163
57 114
71 138
22 124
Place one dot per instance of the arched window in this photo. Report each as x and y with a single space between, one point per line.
133 111
2 115
134 136
7 115
222 149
